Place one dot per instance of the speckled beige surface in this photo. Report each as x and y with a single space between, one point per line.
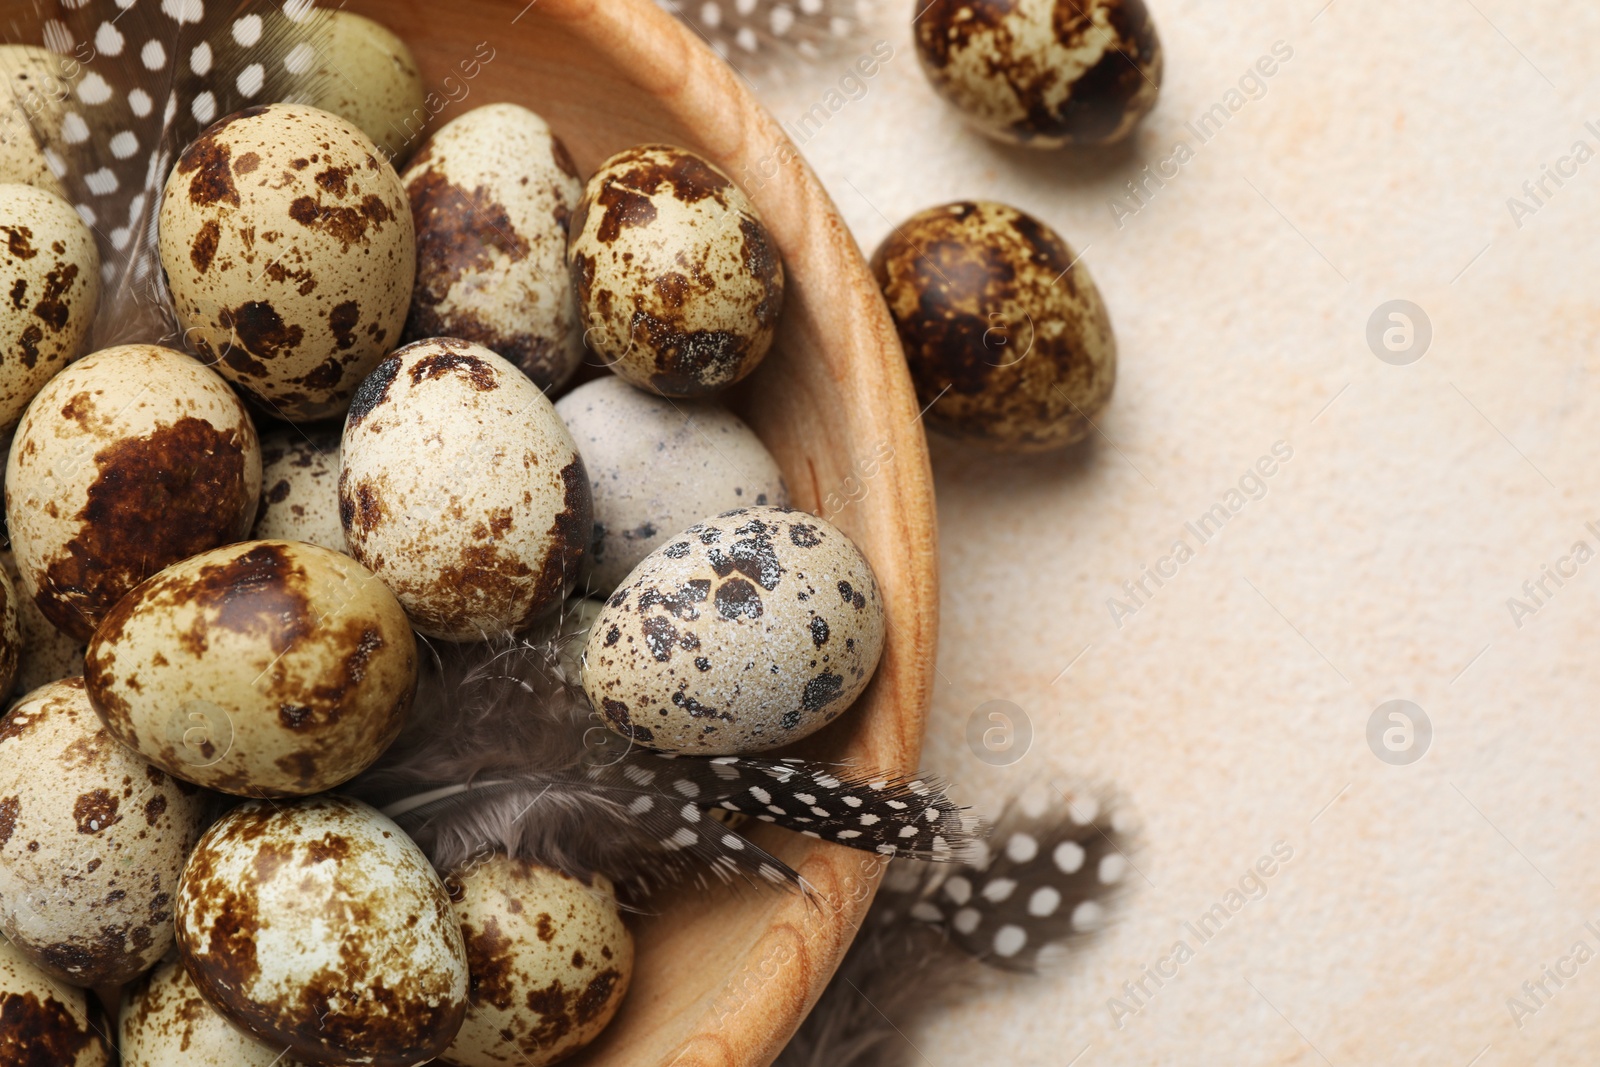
1232 708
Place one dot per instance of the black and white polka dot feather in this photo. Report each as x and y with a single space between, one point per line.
146 77
763 35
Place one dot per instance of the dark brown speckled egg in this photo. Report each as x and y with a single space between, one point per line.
1007 338
679 284
1044 73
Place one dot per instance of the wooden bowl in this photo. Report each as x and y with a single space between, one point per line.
724 977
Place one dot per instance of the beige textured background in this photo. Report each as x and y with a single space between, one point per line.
1231 711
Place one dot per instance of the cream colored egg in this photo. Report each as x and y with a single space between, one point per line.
679 283
46 654
742 633
165 1022
44 1022
656 466
550 961
35 87
320 927
49 292
463 491
128 460
265 669
287 244
300 488
92 841
491 194
10 633
370 77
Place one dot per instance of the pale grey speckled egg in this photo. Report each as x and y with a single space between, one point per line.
45 1023
679 283
128 460
550 961
300 488
287 243
369 76
166 1022
743 633
320 927
92 842
491 194
463 491
49 293
658 465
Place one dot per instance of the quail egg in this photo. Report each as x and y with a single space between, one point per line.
1008 340
742 633
128 460
1043 73
490 197
46 654
165 1022
10 633
679 283
369 76
264 669
463 491
656 465
319 927
549 958
49 292
92 841
35 86
44 1023
300 488
287 243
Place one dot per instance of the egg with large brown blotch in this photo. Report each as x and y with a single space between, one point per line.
742 633
656 465
320 928
49 293
463 491
300 488
44 1023
491 194
92 842
287 242
550 961
263 669
165 1021
128 460
1043 73
1009 343
679 283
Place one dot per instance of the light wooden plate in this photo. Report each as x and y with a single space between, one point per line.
724 977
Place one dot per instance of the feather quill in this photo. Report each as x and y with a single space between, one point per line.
1042 880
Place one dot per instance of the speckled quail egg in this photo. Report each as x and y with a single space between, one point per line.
491 194
44 1023
320 927
287 244
165 1022
92 841
46 654
10 633
1043 73
656 465
128 460
1009 342
550 961
35 86
49 292
264 669
369 76
743 633
679 283
300 488
462 490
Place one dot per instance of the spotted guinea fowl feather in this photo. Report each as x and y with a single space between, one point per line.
771 36
502 752
146 78
1044 878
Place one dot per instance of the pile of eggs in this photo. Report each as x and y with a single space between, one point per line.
213 601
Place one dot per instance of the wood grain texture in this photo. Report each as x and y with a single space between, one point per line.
724 977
